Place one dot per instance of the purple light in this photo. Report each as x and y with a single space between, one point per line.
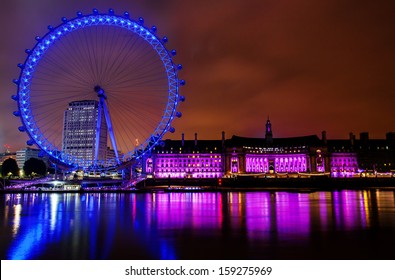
343 164
282 163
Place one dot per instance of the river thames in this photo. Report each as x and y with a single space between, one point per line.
202 225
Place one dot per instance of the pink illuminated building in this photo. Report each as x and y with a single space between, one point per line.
187 159
265 156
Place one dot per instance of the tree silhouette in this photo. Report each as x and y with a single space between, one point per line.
10 165
34 165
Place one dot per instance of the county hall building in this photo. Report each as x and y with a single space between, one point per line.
241 156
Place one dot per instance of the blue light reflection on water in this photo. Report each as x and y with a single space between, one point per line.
167 225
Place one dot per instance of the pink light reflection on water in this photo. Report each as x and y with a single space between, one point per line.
292 215
175 211
259 215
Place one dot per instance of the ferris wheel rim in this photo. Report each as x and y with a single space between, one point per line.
81 21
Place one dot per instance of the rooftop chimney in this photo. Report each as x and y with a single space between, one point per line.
364 136
324 137
352 138
223 138
390 136
182 139
195 139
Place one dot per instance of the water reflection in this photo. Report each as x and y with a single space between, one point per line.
191 225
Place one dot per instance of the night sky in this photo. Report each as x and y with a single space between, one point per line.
309 65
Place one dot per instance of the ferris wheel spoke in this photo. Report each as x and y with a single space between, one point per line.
133 57
68 54
51 71
65 60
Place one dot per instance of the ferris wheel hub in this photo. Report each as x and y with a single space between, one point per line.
100 92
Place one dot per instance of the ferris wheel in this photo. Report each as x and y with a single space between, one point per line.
99 89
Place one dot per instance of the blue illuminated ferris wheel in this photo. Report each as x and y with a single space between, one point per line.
120 75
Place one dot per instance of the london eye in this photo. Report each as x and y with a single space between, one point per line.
99 89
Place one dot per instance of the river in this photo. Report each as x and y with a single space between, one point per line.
202 225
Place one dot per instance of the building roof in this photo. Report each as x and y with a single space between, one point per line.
189 145
310 140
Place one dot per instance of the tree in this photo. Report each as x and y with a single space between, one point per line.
35 165
10 166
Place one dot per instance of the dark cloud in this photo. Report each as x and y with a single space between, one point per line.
309 65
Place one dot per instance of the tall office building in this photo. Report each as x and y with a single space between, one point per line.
79 132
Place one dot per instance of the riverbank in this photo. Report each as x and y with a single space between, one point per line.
269 184
311 184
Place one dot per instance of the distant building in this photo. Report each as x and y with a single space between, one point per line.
25 154
6 155
269 155
187 159
79 132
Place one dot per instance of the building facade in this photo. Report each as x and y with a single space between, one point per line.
79 132
186 159
293 156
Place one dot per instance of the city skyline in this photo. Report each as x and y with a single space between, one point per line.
309 66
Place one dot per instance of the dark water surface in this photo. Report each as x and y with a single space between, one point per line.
250 225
